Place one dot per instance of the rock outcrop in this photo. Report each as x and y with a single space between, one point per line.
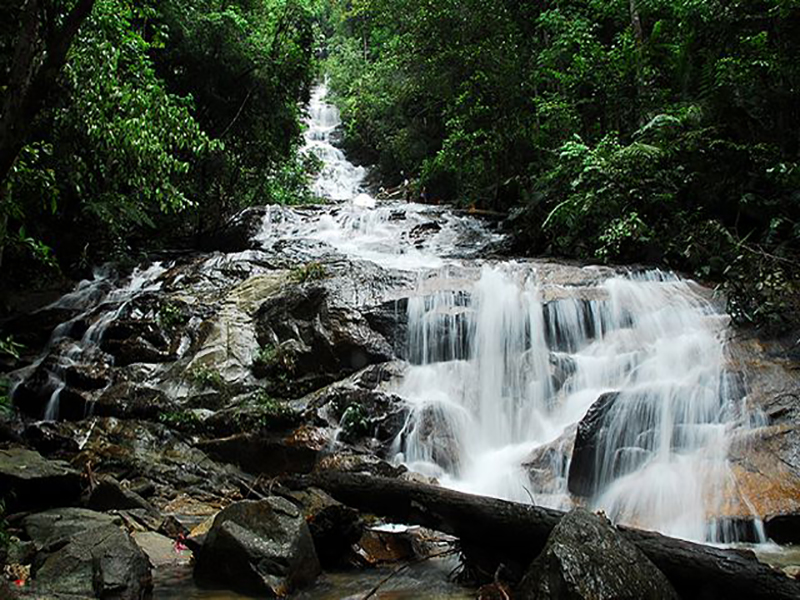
258 547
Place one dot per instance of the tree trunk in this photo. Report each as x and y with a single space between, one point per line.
39 54
496 531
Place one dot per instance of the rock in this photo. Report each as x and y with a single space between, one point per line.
546 465
28 481
86 554
108 494
237 234
128 400
87 377
359 463
334 526
584 478
585 558
161 550
270 454
259 547
783 529
133 449
45 437
331 342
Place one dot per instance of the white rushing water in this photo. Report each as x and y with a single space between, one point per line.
505 366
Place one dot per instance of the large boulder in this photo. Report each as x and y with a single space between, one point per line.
258 547
28 481
270 453
584 476
586 559
327 342
334 526
84 554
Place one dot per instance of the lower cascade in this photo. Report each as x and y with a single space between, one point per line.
508 376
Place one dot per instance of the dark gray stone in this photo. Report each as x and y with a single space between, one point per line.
108 494
258 547
28 481
586 559
86 554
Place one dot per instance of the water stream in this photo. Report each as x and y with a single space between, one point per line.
506 358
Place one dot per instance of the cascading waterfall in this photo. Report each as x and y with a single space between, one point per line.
505 371
527 381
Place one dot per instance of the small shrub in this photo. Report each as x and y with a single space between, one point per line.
183 420
354 421
171 315
311 271
274 357
205 376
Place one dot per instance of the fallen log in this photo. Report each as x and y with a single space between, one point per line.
495 531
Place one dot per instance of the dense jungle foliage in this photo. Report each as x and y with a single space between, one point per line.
656 131
164 118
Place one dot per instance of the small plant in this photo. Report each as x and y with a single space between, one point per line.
183 420
311 271
272 411
171 315
205 376
10 347
275 357
354 421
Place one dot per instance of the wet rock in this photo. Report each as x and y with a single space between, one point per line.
108 494
379 547
421 231
87 377
237 234
29 481
259 547
359 463
161 550
783 529
432 427
363 412
128 400
547 465
334 526
269 453
332 342
86 554
133 449
49 439
585 558
583 477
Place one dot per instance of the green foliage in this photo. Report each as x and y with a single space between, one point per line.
171 315
275 358
205 376
311 271
10 347
182 420
272 408
169 117
354 422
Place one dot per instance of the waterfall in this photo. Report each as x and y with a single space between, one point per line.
505 371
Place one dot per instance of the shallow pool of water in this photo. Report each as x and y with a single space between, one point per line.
429 579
